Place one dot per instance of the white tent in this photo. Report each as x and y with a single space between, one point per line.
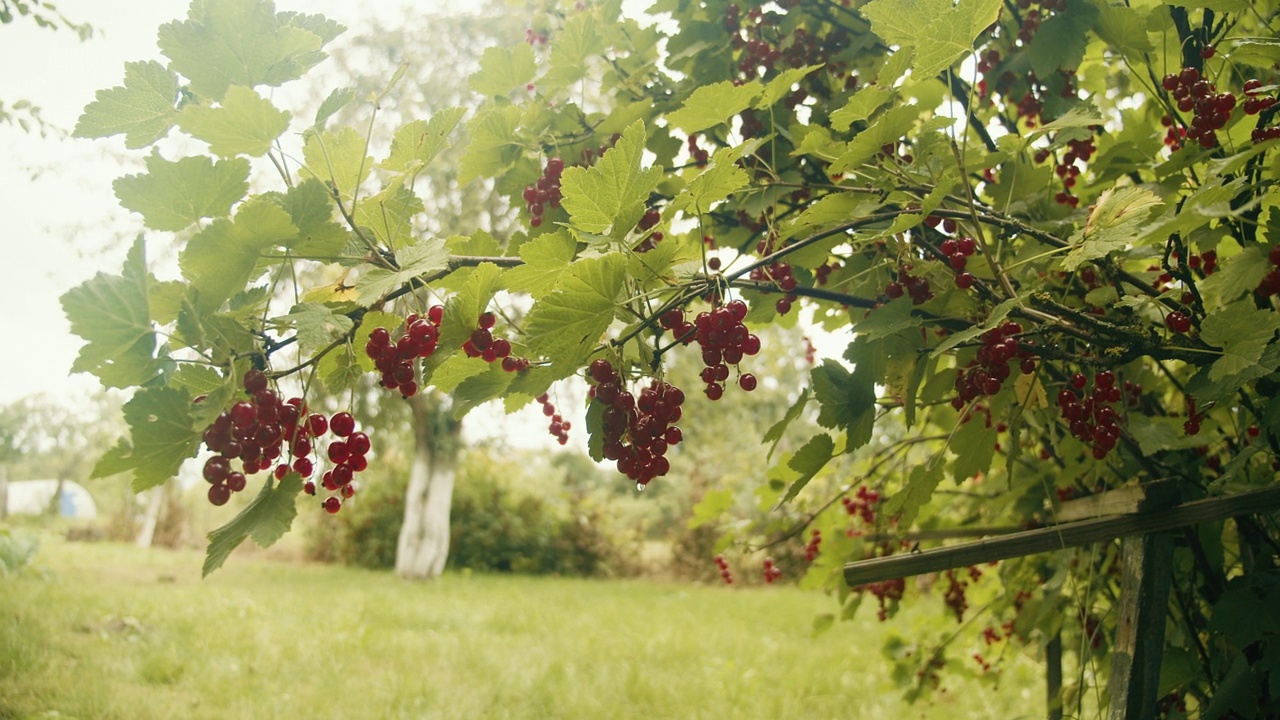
32 497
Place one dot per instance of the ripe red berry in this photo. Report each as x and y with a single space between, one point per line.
342 424
747 382
236 482
331 505
219 494
216 469
255 381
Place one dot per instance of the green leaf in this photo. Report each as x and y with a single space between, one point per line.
710 508
143 108
173 195
614 187
480 389
718 181
162 435
310 207
504 70
1061 40
338 159
1243 332
1239 274
575 44
1124 28
221 259
995 317
829 212
453 372
974 444
1080 116
389 214
244 124
844 400
711 105
808 461
494 144
315 324
1113 224
861 106
949 36
1157 434
414 261
337 99
566 324
890 127
112 315
897 22
780 86
774 434
340 369
462 311
546 258
905 504
417 143
266 519
238 42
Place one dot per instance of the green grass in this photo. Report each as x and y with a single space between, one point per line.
109 631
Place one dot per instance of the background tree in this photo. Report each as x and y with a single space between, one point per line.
1045 229
21 112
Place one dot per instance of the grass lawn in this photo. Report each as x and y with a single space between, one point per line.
109 631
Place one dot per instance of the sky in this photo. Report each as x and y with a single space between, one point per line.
62 222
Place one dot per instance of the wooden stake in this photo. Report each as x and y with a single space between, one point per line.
1147 562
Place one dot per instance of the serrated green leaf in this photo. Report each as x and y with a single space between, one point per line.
220 260
780 86
974 444
266 519
862 105
463 309
721 178
417 143
238 42
575 44
338 159
949 36
173 195
1124 28
1061 40
243 124
143 108
906 503
310 207
889 127
1113 224
414 261
162 435
458 368
828 212
546 258
480 389
197 379
1243 332
493 143
711 105
774 434
337 99
389 214
504 70
897 22
111 313
845 401
710 508
1158 434
1239 274
616 186
314 324
340 369
807 462
1081 116
566 324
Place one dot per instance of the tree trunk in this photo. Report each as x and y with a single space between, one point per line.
155 501
423 546
4 491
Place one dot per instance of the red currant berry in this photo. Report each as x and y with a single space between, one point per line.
342 424
219 494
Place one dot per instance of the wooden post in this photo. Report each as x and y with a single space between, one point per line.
1053 676
1147 563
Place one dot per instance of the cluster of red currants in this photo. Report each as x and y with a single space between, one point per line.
636 431
885 592
957 252
723 566
545 192
814 546
1270 284
916 287
484 345
559 427
862 504
954 597
987 372
260 430
1211 109
1092 419
724 341
770 572
419 338
647 222
1192 425
1254 104
699 155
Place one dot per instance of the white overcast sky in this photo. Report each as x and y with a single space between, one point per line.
61 222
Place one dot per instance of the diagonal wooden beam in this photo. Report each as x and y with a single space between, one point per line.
1060 537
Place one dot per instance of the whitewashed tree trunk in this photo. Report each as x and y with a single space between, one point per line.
155 501
423 545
